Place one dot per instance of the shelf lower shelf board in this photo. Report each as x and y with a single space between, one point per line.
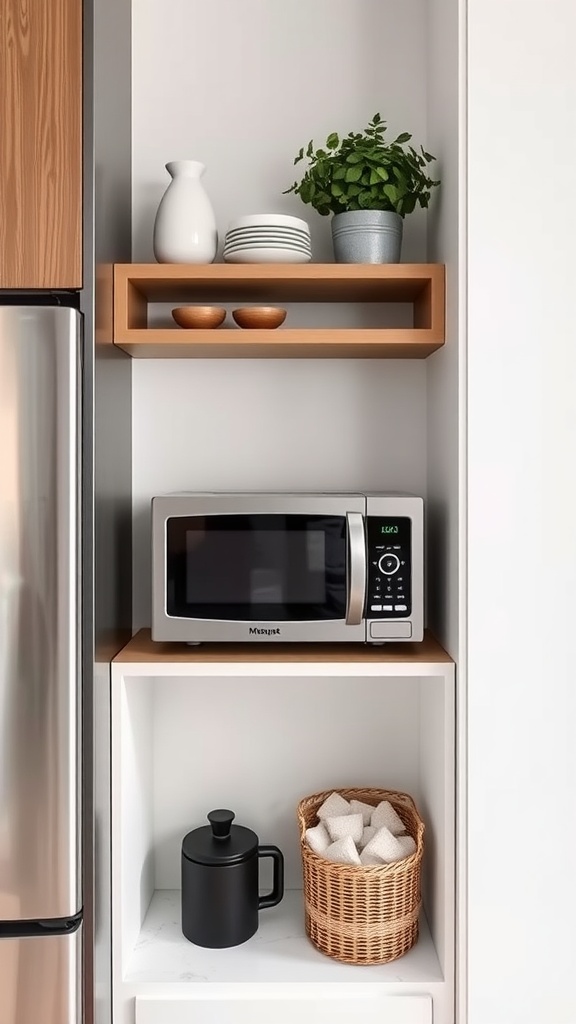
143 656
279 952
387 343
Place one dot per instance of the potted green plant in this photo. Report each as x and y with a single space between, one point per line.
369 185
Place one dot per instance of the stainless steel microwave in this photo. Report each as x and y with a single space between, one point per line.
287 567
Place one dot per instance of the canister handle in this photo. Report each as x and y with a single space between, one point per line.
273 898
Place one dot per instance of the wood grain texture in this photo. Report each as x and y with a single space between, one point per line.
309 282
41 144
299 343
142 649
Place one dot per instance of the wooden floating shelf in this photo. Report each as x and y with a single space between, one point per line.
138 284
141 649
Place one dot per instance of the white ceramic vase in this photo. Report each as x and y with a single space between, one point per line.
185 225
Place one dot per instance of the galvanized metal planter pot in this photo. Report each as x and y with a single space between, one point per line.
367 236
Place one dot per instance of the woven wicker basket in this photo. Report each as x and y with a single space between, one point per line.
362 915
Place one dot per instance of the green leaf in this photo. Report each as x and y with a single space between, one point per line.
366 199
310 149
391 192
336 189
376 119
404 137
354 173
382 173
339 173
333 141
305 194
354 190
374 177
354 158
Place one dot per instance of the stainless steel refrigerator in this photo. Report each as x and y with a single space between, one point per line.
40 659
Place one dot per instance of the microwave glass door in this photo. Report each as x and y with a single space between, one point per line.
263 567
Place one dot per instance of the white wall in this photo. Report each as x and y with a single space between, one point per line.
522 511
241 87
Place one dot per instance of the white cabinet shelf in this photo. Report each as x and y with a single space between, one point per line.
279 952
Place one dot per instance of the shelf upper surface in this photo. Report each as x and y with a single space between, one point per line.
143 650
278 952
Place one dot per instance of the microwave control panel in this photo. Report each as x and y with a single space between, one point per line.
389 590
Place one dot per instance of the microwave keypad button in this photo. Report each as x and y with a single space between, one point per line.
387 608
389 564
400 608
375 607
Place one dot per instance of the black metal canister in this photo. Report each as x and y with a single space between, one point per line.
220 899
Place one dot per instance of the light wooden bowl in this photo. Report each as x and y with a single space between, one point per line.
253 317
199 317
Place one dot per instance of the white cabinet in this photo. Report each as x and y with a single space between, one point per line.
259 735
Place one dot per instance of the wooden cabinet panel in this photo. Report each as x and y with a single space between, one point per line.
40 143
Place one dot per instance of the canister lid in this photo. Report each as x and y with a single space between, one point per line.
220 842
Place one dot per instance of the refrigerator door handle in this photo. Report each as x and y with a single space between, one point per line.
356 568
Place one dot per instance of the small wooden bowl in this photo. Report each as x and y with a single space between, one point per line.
199 317
253 317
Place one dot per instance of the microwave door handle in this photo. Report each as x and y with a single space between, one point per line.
356 568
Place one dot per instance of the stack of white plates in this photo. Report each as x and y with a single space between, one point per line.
268 238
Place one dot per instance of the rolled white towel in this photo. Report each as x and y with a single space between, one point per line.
369 860
385 846
318 838
368 833
385 816
408 845
333 806
344 825
357 807
343 852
